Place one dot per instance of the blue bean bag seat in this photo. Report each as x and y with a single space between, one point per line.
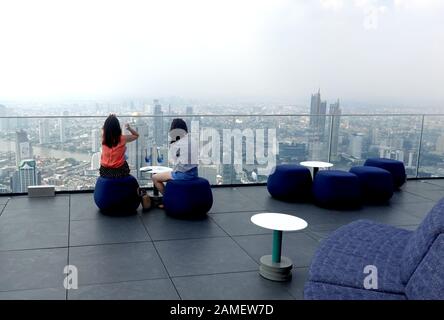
408 264
376 183
395 167
190 199
290 183
336 189
117 196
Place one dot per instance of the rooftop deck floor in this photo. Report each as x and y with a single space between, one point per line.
152 256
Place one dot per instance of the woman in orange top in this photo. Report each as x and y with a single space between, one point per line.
112 161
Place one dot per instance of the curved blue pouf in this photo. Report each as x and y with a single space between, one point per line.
376 183
336 189
395 167
290 182
117 196
190 199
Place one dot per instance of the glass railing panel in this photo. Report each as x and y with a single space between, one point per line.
64 153
66 150
431 161
249 147
152 146
302 138
356 138
216 154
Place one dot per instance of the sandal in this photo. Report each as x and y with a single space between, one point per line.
145 200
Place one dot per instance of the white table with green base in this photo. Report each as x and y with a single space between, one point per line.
275 266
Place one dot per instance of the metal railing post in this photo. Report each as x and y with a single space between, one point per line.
330 138
420 146
232 157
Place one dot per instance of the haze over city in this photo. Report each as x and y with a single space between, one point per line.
386 53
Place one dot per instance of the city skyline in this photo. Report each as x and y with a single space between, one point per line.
66 149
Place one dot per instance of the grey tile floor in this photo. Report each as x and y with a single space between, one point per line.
152 256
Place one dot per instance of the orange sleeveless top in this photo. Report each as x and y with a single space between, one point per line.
114 157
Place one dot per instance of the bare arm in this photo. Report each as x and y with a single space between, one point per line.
134 134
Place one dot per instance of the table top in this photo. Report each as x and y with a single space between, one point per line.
278 221
155 169
316 164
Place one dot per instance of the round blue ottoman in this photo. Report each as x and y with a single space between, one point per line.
117 196
190 199
336 189
376 183
290 182
396 168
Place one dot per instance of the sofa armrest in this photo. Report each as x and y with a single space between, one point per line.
427 281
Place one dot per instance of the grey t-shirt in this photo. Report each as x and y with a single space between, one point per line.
183 154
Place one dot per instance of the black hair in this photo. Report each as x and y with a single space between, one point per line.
112 131
177 125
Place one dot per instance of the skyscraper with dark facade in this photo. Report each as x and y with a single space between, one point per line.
335 120
26 175
62 126
159 137
318 110
316 138
23 148
44 131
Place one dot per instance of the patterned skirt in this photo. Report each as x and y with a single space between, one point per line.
120 172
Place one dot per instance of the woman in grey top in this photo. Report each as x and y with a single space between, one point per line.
181 155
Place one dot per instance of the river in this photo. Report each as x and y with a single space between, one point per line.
6 145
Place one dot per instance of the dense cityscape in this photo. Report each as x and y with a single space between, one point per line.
60 144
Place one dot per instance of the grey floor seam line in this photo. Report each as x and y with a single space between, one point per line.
237 211
109 243
88 284
254 260
257 270
309 234
212 274
27 289
265 234
192 238
421 196
161 260
245 251
4 207
31 249
122 281
140 218
433 184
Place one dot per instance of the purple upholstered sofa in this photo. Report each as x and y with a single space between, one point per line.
409 264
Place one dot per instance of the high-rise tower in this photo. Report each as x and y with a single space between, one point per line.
316 141
44 131
62 126
335 120
23 149
96 140
318 110
26 175
159 137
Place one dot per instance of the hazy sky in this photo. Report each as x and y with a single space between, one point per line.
376 51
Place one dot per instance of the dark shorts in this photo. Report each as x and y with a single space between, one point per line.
120 172
188 175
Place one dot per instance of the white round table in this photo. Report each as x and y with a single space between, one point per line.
316 165
275 266
152 170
